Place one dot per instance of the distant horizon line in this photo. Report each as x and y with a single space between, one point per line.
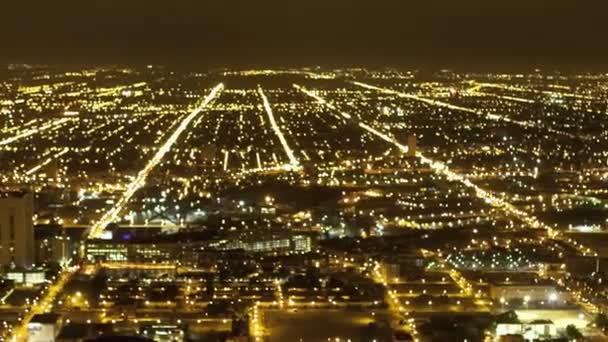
421 68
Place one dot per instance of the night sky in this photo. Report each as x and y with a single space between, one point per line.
442 33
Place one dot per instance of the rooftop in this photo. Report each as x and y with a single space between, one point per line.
47 318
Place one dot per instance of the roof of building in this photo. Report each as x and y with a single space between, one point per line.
47 318
82 330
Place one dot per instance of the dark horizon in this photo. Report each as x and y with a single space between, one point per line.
468 35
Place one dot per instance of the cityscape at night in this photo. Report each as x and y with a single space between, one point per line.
253 204
303 171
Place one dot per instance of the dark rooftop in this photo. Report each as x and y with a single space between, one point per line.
47 318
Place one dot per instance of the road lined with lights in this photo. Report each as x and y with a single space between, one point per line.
347 116
256 329
293 161
443 169
47 161
114 91
11 129
55 124
54 289
141 178
42 306
491 116
476 91
394 304
521 89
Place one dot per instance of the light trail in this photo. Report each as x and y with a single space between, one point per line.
256 329
423 99
293 162
305 155
51 125
8 294
477 86
487 196
257 158
522 89
142 176
491 116
475 91
137 266
97 127
17 128
47 161
226 160
115 91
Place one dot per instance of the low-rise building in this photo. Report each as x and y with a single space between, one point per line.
44 328
534 291
530 331
27 277
398 267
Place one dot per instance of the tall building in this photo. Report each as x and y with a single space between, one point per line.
16 229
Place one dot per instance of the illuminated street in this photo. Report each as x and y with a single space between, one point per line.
227 204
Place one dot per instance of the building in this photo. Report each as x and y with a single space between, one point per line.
163 332
532 291
113 251
27 277
54 243
530 331
269 244
398 267
16 229
44 328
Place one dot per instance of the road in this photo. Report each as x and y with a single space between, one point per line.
293 161
52 125
142 176
45 303
20 332
441 168
491 116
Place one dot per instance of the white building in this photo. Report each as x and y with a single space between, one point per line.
530 331
44 328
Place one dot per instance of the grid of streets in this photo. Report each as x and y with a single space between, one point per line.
393 205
